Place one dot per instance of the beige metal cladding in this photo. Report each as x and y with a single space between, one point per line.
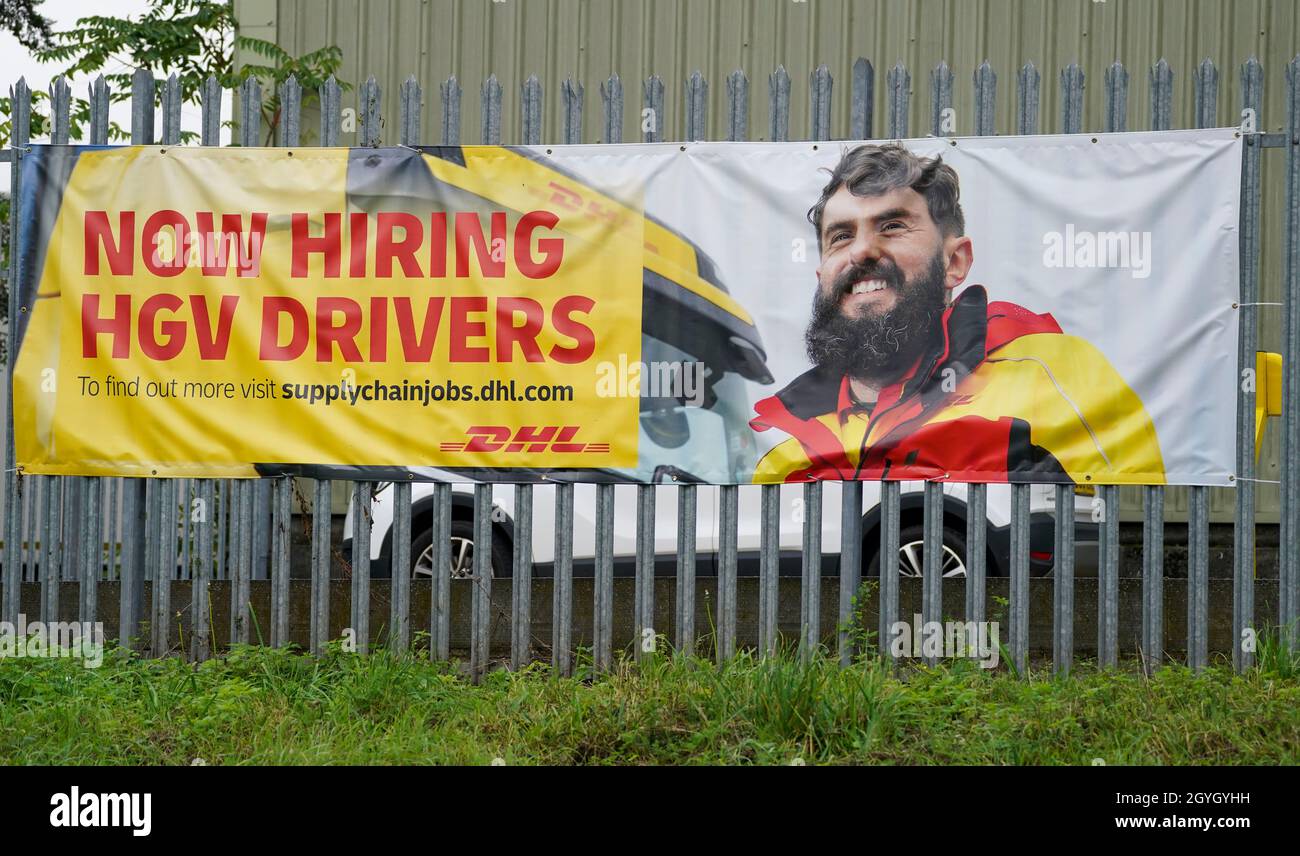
588 40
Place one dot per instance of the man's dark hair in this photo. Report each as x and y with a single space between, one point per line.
870 170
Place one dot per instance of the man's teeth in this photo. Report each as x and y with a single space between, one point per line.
867 286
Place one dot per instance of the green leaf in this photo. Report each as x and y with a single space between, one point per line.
193 39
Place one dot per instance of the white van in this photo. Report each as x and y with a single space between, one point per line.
1042 529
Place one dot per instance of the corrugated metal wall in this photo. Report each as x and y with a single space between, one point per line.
590 39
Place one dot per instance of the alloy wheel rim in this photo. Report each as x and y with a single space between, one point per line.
911 561
462 560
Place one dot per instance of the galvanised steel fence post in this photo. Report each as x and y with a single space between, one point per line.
1243 554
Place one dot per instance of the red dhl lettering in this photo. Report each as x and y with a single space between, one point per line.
526 438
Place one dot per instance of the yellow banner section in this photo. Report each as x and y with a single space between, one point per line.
204 311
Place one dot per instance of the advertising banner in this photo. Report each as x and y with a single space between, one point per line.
1047 308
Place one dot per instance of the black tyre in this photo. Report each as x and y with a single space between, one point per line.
911 553
462 552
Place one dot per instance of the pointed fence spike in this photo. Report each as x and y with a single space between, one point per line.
572 95
899 83
99 92
250 112
611 95
778 85
20 95
450 92
210 121
491 106
819 103
1116 97
370 108
652 116
986 90
737 106
289 124
1162 96
862 95
697 99
1027 92
60 111
412 104
171 109
530 110
331 112
1205 110
941 101
1072 82
142 108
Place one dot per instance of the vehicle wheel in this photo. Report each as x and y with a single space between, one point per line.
911 554
462 553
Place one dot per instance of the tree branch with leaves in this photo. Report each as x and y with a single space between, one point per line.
192 39
24 22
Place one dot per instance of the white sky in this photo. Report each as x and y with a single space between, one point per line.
16 61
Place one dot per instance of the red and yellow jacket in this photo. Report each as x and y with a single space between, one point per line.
1005 396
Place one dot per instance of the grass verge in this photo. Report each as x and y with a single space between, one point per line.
262 706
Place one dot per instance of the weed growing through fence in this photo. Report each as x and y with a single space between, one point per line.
860 638
274 706
1275 657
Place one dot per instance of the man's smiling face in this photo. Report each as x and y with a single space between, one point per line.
886 272
873 248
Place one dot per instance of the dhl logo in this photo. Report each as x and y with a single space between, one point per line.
526 438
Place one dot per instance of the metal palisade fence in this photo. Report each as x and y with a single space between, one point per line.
96 535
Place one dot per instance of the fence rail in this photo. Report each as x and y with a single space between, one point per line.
236 537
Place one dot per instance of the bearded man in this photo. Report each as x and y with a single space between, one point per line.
910 383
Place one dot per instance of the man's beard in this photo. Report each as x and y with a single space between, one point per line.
877 346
